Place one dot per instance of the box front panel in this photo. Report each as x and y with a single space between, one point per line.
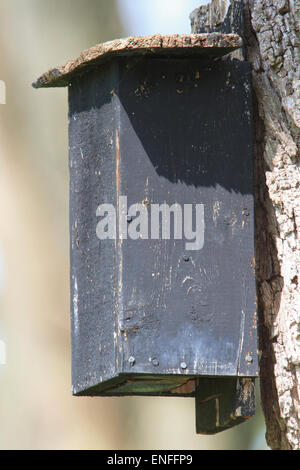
186 299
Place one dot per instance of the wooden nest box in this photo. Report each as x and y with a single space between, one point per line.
160 132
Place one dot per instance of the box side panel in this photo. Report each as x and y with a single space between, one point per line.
92 162
186 138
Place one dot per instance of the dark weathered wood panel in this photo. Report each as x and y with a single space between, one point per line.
222 403
185 137
92 124
159 130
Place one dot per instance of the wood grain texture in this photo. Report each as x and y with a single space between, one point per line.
213 45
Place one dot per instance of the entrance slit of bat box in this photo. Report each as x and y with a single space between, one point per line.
162 222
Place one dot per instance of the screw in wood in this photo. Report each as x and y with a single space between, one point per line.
131 361
249 358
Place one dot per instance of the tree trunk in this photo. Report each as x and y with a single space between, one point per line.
271 34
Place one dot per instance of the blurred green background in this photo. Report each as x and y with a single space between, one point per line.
37 410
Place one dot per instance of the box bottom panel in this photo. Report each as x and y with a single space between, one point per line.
151 385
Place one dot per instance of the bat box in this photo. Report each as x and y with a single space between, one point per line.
162 222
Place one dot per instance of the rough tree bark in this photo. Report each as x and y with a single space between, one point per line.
271 35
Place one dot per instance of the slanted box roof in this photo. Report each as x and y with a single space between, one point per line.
179 45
